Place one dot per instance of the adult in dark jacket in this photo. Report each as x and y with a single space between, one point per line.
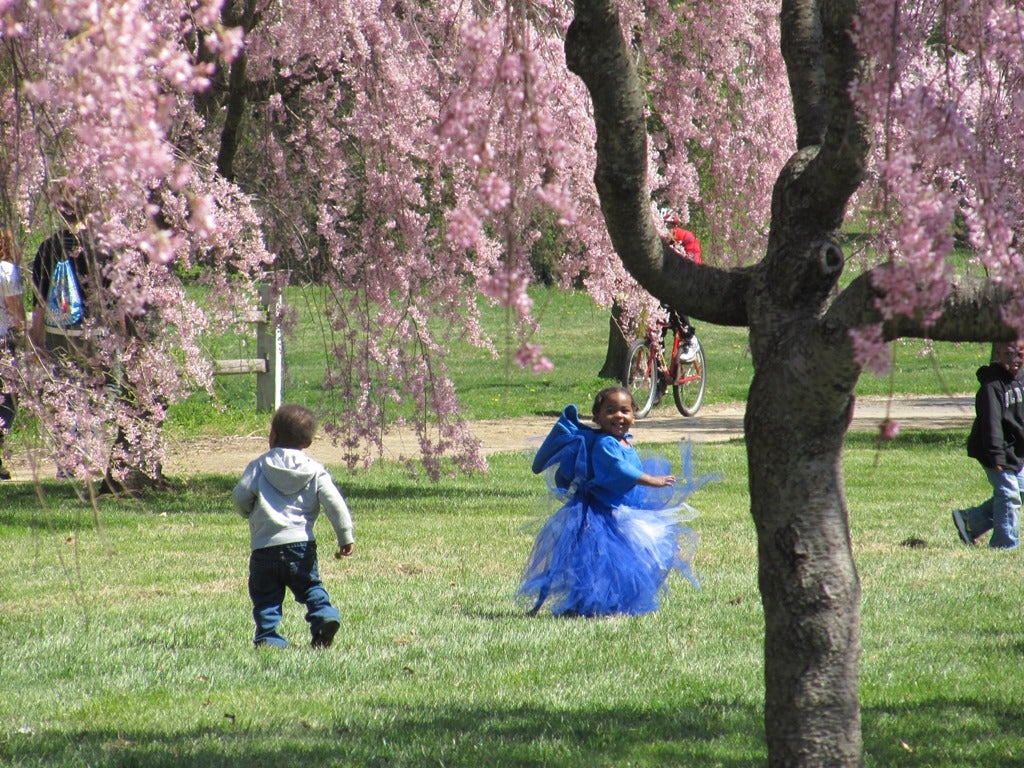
997 442
65 244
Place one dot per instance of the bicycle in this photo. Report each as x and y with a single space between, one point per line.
647 374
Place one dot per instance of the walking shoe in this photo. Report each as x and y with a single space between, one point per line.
325 635
961 528
687 352
662 387
271 642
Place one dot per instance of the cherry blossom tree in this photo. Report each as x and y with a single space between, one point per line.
96 98
905 109
407 156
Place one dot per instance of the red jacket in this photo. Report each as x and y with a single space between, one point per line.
689 241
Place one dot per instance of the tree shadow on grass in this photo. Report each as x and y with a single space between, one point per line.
953 438
945 733
63 504
711 732
703 734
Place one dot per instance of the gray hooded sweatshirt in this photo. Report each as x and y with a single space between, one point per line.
281 494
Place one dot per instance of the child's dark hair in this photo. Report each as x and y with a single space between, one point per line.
604 394
293 426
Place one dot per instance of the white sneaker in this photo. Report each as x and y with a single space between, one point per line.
687 352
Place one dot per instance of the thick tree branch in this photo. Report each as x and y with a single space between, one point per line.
971 312
801 50
597 53
831 170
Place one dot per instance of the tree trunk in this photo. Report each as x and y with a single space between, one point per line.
809 586
135 482
804 373
618 344
123 478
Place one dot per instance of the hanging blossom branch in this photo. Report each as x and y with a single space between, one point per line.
103 93
349 126
511 99
498 133
719 91
948 147
438 139
410 154
431 178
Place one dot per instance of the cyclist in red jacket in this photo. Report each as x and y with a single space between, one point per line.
686 244
685 239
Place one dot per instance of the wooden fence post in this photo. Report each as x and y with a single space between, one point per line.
269 347
268 365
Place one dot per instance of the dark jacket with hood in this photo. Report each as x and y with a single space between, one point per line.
997 435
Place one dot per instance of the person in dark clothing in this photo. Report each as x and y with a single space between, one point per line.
996 440
45 332
61 303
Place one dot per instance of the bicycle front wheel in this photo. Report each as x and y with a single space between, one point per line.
640 376
691 380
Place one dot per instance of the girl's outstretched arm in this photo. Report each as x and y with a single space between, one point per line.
656 481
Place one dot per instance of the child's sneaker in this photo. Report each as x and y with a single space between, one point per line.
325 635
961 528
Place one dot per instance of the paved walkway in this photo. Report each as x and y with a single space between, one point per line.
726 423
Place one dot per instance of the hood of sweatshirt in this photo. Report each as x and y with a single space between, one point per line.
289 470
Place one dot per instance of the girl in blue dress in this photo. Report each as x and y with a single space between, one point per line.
619 532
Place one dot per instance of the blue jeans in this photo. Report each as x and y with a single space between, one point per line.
1001 513
293 566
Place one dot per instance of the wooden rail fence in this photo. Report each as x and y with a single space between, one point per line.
268 365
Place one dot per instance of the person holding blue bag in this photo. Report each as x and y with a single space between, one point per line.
63 293
12 326
59 305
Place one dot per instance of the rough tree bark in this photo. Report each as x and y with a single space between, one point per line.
618 345
801 397
245 17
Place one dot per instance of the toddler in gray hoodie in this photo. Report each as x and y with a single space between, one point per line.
281 493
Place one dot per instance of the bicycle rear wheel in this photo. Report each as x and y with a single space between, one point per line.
690 383
640 376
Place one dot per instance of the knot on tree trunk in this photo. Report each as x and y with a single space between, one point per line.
815 269
830 260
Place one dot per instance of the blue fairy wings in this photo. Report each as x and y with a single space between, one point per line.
566 449
565 460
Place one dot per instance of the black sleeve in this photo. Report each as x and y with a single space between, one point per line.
52 250
42 267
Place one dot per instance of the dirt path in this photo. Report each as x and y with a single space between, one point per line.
229 455
713 423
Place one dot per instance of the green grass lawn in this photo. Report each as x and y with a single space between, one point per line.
126 629
574 333
127 634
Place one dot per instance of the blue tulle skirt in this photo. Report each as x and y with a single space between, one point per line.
593 559
591 562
